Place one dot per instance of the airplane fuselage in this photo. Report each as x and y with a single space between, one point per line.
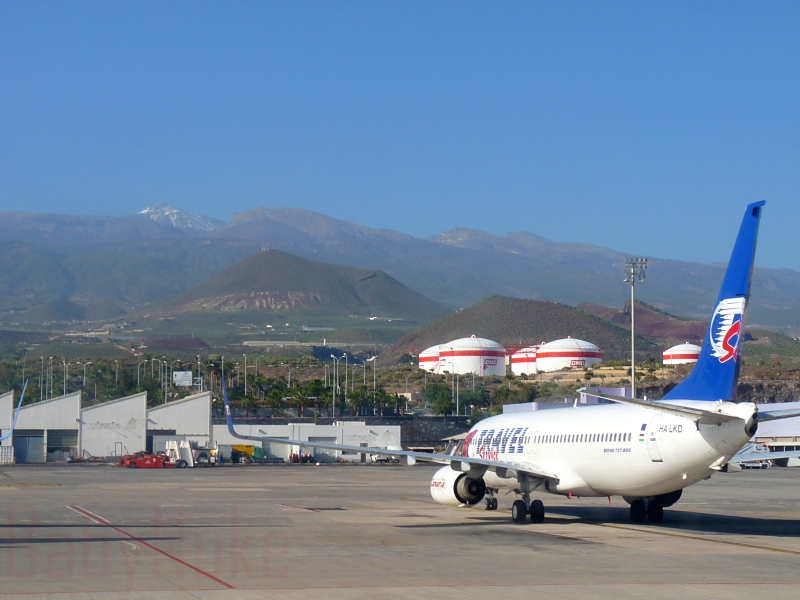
608 450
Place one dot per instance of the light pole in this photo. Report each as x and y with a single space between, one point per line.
211 386
41 382
50 375
83 383
116 373
138 380
374 361
335 384
65 377
199 376
245 374
345 375
634 269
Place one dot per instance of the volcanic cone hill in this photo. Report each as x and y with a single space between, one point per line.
273 281
651 321
512 321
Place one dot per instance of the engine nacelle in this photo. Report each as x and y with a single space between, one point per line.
455 489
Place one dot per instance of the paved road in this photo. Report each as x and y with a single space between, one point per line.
373 532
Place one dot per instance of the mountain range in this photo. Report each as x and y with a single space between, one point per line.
130 261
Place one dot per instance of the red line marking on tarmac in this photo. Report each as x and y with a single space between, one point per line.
101 521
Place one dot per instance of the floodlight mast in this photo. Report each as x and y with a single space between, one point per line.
634 269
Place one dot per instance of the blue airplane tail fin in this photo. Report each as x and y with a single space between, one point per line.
16 414
716 373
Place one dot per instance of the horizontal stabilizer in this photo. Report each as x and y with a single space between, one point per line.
705 417
774 415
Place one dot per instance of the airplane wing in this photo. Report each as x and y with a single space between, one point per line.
705 417
16 414
457 463
774 415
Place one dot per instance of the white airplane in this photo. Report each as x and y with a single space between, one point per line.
646 452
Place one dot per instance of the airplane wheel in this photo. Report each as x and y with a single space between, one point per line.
519 511
487 504
638 511
655 512
494 504
537 511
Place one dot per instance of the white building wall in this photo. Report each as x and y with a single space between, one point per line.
6 416
122 421
63 412
347 433
190 417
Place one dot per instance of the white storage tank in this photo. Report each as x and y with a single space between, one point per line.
523 362
472 355
682 354
429 359
569 353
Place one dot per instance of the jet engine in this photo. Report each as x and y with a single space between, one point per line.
455 489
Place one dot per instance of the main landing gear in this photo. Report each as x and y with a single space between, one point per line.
524 507
652 509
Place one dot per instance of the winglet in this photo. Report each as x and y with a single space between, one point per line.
716 373
16 414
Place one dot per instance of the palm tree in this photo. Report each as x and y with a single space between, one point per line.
274 401
300 398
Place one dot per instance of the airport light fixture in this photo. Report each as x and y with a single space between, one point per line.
335 384
374 361
634 270
143 362
245 374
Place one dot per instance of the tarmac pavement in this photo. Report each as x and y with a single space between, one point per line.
372 531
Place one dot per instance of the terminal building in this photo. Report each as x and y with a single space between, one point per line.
58 429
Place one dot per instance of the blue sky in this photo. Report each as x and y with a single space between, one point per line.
642 126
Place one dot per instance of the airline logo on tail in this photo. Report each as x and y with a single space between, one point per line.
726 328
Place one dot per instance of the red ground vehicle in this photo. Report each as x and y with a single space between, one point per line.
145 460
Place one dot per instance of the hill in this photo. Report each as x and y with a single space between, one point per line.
275 282
650 321
521 322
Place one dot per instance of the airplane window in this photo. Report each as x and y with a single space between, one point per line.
615 437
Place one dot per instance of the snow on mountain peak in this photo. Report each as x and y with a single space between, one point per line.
166 216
